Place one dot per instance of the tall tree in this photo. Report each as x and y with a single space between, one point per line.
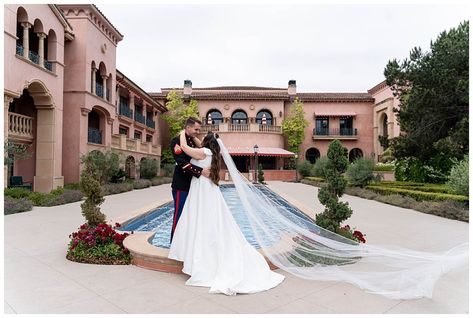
293 126
175 117
433 91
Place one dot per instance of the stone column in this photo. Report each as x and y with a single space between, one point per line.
26 42
6 123
132 107
94 74
104 82
41 37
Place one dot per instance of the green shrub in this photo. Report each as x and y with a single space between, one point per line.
458 178
148 168
361 192
420 195
160 180
360 172
17 193
72 186
141 184
261 174
114 188
118 176
12 205
68 196
384 167
304 168
168 169
335 212
320 167
107 163
39 198
450 209
90 185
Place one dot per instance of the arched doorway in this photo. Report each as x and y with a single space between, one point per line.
32 118
130 167
312 154
354 154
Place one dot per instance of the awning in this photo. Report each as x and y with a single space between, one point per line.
335 114
262 151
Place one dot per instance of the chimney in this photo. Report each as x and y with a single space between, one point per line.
291 88
187 87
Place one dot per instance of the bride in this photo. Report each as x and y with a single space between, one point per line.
209 241
216 254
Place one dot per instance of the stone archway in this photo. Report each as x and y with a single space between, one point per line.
130 167
47 139
354 154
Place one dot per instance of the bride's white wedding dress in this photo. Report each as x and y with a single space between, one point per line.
213 248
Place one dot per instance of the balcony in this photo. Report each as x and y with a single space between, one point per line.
94 136
121 142
335 133
238 127
150 123
140 118
126 111
20 127
242 128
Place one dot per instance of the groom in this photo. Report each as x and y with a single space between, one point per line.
184 170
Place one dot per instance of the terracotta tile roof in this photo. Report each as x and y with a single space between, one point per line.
319 97
231 88
270 95
377 87
262 151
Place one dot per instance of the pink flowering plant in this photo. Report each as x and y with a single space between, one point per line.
99 244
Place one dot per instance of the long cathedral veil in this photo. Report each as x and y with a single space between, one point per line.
294 243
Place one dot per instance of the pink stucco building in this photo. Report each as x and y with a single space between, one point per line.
64 96
245 116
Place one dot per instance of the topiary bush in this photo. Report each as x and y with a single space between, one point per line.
458 178
335 212
261 174
304 168
360 172
90 186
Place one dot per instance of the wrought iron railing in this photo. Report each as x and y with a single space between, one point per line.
140 118
98 90
48 65
94 136
19 49
126 111
150 123
335 132
34 57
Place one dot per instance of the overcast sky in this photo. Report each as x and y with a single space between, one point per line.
326 48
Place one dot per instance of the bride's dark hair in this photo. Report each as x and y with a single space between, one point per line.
210 141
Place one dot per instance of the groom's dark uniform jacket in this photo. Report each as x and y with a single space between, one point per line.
181 180
184 170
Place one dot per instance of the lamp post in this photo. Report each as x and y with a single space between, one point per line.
255 149
296 156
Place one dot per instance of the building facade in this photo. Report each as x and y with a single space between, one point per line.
249 116
64 97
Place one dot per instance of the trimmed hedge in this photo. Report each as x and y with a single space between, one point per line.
11 205
419 195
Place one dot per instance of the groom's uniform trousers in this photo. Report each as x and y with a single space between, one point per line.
181 180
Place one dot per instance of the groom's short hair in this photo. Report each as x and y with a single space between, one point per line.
192 120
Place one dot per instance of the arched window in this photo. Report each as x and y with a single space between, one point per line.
94 131
21 19
213 117
312 154
239 117
264 117
385 125
354 154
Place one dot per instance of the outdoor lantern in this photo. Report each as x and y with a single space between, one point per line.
255 148
263 120
209 120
